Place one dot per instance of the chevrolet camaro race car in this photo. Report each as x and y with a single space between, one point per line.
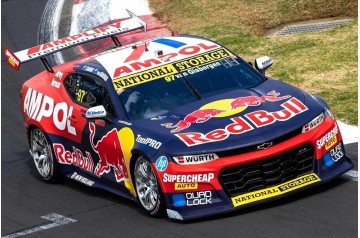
180 124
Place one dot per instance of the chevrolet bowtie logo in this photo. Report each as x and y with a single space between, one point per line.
265 146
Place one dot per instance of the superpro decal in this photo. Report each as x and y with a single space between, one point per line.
275 190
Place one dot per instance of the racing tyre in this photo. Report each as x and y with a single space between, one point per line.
43 156
148 190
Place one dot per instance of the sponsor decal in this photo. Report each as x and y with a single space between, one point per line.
192 199
202 59
229 107
314 123
327 160
173 214
95 71
241 124
334 155
188 178
329 139
185 51
163 117
94 113
266 62
11 59
59 75
38 105
124 76
88 68
75 39
145 76
195 159
158 118
198 198
75 157
148 141
275 190
81 179
199 69
125 122
114 151
161 163
337 153
185 186
55 83
101 74
179 200
198 116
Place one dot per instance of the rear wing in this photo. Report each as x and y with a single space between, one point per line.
39 52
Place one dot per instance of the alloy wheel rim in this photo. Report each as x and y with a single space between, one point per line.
146 184
41 153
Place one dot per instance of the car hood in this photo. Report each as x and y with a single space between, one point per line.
232 120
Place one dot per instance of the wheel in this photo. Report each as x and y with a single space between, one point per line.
147 188
43 156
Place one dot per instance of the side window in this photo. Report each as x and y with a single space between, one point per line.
88 91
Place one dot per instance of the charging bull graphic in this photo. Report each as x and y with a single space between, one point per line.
198 116
114 152
272 96
203 115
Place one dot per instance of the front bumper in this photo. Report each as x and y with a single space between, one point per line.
198 190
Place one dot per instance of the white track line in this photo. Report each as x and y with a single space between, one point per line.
58 220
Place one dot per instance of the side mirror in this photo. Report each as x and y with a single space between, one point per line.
96 112
263 63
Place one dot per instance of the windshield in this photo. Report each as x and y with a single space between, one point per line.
159 96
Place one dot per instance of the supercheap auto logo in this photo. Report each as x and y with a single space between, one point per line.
241 124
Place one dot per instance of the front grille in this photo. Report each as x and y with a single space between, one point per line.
248 149
268 172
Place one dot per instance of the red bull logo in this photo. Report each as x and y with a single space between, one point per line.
198 116
114 153
223 108
256 100
246 123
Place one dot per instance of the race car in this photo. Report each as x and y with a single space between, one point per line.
180 124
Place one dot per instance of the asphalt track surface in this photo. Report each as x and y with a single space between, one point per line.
329 210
